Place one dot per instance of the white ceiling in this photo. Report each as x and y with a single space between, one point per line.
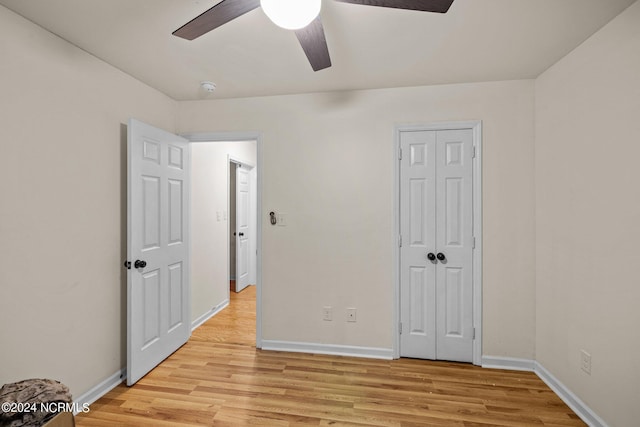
370 47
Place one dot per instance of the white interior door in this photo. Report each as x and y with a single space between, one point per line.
454 242
242 227
436 283
418 225
158 211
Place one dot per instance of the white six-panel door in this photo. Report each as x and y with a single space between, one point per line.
418 231
158 294
454 239
242 227
436 217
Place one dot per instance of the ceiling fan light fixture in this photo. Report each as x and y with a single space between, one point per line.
291 14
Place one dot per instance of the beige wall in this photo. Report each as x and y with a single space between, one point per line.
588 219
62 214
328 162
209 237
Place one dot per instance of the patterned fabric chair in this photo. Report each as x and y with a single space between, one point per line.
34 403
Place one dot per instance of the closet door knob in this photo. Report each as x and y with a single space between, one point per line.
431 256
140 264
441 256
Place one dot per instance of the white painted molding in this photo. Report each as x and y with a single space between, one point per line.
209 314
100 390
221 136
574 402
478 198
510 363
336 350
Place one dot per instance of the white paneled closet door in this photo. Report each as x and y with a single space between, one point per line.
436 256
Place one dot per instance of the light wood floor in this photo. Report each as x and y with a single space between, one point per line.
218 378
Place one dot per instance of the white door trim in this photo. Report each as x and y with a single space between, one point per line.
244 136
236 160
476 127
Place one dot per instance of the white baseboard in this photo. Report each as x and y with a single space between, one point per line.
209 314
100 390
574 402
337 350
510 363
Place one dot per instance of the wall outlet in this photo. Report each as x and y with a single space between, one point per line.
327 313
585 361
351 314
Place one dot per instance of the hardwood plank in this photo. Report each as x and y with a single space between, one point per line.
219 378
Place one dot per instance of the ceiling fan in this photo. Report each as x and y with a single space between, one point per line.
302 16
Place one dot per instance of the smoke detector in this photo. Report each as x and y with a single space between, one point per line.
208 87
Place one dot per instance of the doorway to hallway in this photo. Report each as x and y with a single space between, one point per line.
212 231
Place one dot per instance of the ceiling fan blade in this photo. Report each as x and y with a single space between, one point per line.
314 45
219 14
440 6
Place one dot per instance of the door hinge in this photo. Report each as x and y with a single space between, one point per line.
474 152
399 153
474 333
400 241
400 328
474 243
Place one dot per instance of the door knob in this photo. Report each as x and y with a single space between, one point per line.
431 256
140 264
241 234
440 256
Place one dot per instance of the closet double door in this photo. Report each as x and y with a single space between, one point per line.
436 254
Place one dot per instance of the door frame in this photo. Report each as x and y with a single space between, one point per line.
244 136
476 128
